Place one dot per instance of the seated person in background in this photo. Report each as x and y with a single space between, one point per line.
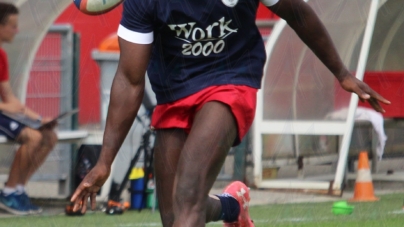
35 144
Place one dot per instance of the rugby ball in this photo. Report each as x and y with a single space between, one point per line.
96 7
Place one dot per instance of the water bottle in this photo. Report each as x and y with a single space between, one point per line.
150 192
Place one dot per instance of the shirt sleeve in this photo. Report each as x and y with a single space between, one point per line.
3 66
137 21
269 2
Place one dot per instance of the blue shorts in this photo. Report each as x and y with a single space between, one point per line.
9 127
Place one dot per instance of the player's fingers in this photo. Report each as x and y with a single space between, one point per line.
85 201
77 193
365 92
376 105
83 209
363 95
358 88
370 98
93 202
77 203
379 98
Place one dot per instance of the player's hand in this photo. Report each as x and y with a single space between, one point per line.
365 93
89 187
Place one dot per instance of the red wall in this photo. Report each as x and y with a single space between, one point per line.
92 29
391 86
265 14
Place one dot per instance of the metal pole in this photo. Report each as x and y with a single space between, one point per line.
367 39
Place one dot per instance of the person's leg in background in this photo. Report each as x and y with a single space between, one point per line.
35 159
49 140
11 197
35 147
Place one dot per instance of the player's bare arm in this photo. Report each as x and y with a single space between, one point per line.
304 21
126 97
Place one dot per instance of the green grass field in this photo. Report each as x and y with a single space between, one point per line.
386 212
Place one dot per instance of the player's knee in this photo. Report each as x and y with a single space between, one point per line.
187 196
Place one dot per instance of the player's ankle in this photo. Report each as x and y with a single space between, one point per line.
230 208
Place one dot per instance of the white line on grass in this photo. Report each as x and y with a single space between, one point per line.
397 212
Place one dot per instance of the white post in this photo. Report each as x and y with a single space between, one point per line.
367 39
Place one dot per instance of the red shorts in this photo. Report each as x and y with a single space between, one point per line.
180 114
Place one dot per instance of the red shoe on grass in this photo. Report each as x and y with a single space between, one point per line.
241 193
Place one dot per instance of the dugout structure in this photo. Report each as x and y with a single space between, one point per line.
292 125
35 19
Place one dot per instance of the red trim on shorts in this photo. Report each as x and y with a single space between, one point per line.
180 114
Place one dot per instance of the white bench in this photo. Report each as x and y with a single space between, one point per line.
63 136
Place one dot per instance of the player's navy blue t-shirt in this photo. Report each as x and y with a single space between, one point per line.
196 44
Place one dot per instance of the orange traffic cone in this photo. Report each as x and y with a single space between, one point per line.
363 185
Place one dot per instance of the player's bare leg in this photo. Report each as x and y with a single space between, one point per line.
48 142
167 149
213 132
30 140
